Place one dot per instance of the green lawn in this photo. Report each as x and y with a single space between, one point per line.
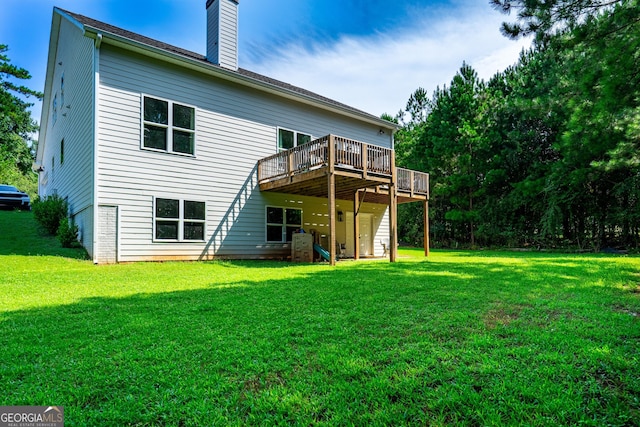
462 338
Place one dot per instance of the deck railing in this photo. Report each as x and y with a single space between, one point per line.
348 154
413 182
310 155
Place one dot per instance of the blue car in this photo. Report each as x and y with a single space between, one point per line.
11 197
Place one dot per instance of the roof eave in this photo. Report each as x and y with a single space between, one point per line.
54 35
46 99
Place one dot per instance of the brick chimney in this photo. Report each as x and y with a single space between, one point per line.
222 33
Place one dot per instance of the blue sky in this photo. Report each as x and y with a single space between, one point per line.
370 54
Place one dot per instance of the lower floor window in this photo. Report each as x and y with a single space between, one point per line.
282 223
179 220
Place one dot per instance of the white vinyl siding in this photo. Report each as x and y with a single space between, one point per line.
228 44
72 84
222 33
236 127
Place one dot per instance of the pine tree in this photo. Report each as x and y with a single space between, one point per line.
16 125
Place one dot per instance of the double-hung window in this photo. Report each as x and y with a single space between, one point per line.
288 139
282 223
168 126
178 220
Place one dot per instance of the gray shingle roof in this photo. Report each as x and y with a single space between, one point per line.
107 28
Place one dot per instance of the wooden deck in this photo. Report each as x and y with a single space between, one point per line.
357 166
339 168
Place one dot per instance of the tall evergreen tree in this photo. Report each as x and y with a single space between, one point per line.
545 18
16 124
547 152
445 138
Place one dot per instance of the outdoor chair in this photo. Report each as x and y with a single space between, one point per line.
385 247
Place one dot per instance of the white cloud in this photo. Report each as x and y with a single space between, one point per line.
378 73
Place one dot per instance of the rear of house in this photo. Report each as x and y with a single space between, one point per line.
156 148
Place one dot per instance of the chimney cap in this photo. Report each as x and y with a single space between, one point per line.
210 2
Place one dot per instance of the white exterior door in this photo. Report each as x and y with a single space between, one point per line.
349 250
366 236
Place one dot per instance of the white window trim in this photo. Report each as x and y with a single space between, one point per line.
169 127
180 220
295 137
283 238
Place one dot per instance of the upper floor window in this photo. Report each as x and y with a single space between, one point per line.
288 139
168 126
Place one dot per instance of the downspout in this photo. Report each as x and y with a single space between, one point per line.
96 85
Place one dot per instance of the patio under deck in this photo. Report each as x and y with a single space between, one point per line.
334 167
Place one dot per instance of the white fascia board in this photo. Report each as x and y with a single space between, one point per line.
232 76
46 99
70 18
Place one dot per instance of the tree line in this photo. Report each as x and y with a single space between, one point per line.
16 126
543 154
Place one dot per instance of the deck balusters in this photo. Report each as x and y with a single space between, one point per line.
349 155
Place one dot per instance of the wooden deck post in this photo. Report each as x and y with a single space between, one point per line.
393 212
365 160
332 200
356 225
412 179
426 227
290 163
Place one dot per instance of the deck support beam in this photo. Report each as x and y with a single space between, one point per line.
332 200
393 213
356 225
426 227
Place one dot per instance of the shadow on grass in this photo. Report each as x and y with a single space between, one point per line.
442 342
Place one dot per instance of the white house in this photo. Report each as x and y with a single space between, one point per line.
166 154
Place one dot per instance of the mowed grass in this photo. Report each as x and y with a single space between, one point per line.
460 338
